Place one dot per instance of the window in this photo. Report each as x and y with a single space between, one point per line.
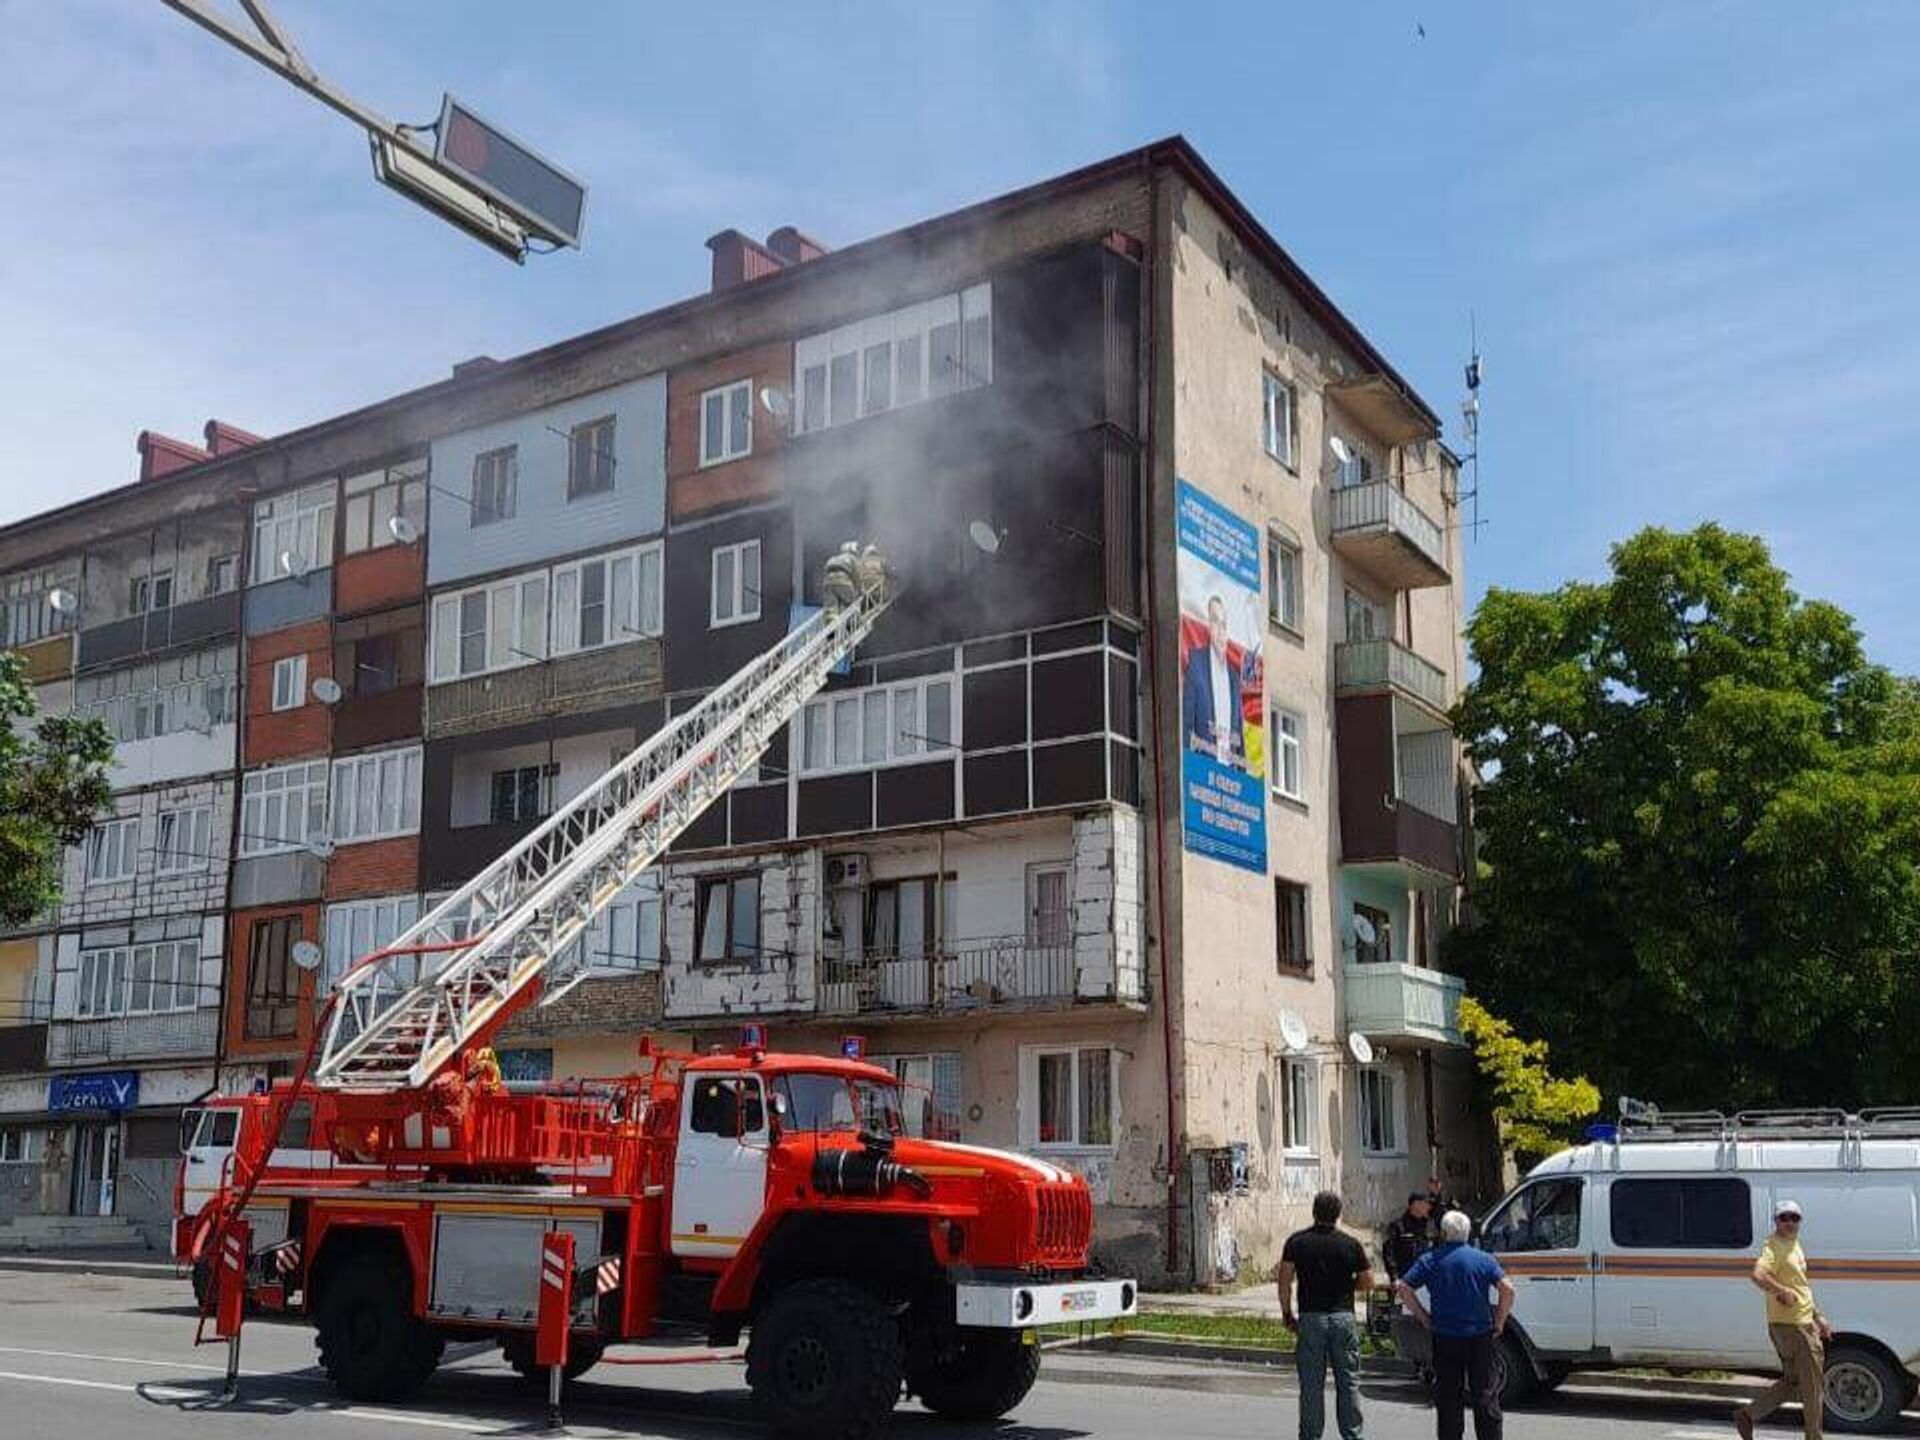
182 838
1290 925
1543 1216
929 1093
902 917
1365 620
920 352
1049 906
728 918
139 979
223 574
1073 1094
726 423
496 485
377 795
293 533
273 984
853 729
283 807
357 928
1283 580
606 600
1277 418
1356 469
19 1145
490 627
1681 1214
1288 742
151 592
624 939
1371 920
112 848
289 682
590 458
1379 1095
525 793
142 702
374 500
727 1107
736 583
26 604
372 663
1299 1107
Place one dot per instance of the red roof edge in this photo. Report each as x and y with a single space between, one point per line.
162 454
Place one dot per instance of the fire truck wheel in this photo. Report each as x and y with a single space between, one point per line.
372 1346
824 1361
582 1356
972 1374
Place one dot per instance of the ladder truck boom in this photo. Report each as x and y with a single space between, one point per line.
397 1019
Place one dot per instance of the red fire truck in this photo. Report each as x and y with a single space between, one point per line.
770 1194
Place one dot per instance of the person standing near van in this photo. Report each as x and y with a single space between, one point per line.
1797 1328
1328 1267
1466 1326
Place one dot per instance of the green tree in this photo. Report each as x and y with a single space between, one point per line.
1536 1110
1699 824
53 782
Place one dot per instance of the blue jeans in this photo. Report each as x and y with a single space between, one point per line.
1324 1337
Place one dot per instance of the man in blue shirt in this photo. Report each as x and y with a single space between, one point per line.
1466 1325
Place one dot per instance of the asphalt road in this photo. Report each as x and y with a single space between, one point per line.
96 1357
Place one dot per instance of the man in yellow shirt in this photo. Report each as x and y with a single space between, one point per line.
1798 1330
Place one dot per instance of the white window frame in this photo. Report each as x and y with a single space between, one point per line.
737 597
370 501
1388 1087
478 514
135 705
1279 418
146 589
736 405
898 345
25 613
1030 1058
182 834
290 682
1299 1106
1286 595
299 522
904 701
513 594
286 790
109 975
385 783
645 597
111 851
20 1145
352 929
1284 744
620 937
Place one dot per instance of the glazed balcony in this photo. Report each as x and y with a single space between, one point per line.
1379 529
1395 1002
1399 788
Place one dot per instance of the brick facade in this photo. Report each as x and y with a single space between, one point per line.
375 867
307 728
388 575
242 923
694 489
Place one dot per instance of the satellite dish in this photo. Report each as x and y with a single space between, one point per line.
1363 929
402 528
294 565
320 849
306 954
776 402
1359 1047
1293 1030
327 690
1342 451
64 602
985 536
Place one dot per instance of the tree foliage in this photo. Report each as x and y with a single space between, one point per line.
1699 825
1537 1111
53 782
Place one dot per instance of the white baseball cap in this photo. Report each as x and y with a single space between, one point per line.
1788 1207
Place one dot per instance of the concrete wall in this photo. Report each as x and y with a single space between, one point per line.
202 886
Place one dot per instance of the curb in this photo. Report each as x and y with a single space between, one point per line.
1258 1357
126 1269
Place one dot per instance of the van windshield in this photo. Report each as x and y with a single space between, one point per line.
824 1103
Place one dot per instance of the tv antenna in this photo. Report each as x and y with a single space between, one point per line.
475 176
1470 425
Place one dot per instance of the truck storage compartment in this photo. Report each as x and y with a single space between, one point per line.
487 1267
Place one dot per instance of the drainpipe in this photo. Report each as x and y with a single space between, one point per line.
1150 294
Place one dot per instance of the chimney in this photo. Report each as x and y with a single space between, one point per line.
478 365
224 439
738 259
162 454
793 247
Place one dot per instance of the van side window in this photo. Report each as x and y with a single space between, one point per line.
1543 1216
1681 1214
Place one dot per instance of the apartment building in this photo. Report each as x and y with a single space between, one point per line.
1129 838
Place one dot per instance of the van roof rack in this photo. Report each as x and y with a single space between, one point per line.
1643 1123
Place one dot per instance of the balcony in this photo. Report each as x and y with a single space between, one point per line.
1367 667
1389 536
1009 973
1405 1003
1399 788
23 1049
185 1034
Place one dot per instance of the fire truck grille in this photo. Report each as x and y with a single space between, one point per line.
1063 1224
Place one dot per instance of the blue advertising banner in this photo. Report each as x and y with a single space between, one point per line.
1222 683
108 1090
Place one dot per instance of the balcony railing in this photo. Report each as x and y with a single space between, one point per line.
1364 665
1382 528
1004 973
1404 1002
185 1034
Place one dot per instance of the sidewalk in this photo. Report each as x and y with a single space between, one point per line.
1262 1300
122 1260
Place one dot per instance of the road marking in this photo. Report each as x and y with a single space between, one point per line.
343 1412
115 1359
166 1391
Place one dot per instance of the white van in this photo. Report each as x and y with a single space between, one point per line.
1636 1249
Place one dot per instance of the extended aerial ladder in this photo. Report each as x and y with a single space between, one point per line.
396 1020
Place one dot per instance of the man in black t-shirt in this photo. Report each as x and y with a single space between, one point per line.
1328 1267
1408 1237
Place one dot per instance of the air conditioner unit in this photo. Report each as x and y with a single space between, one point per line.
846 872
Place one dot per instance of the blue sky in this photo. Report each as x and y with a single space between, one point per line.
1686 231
